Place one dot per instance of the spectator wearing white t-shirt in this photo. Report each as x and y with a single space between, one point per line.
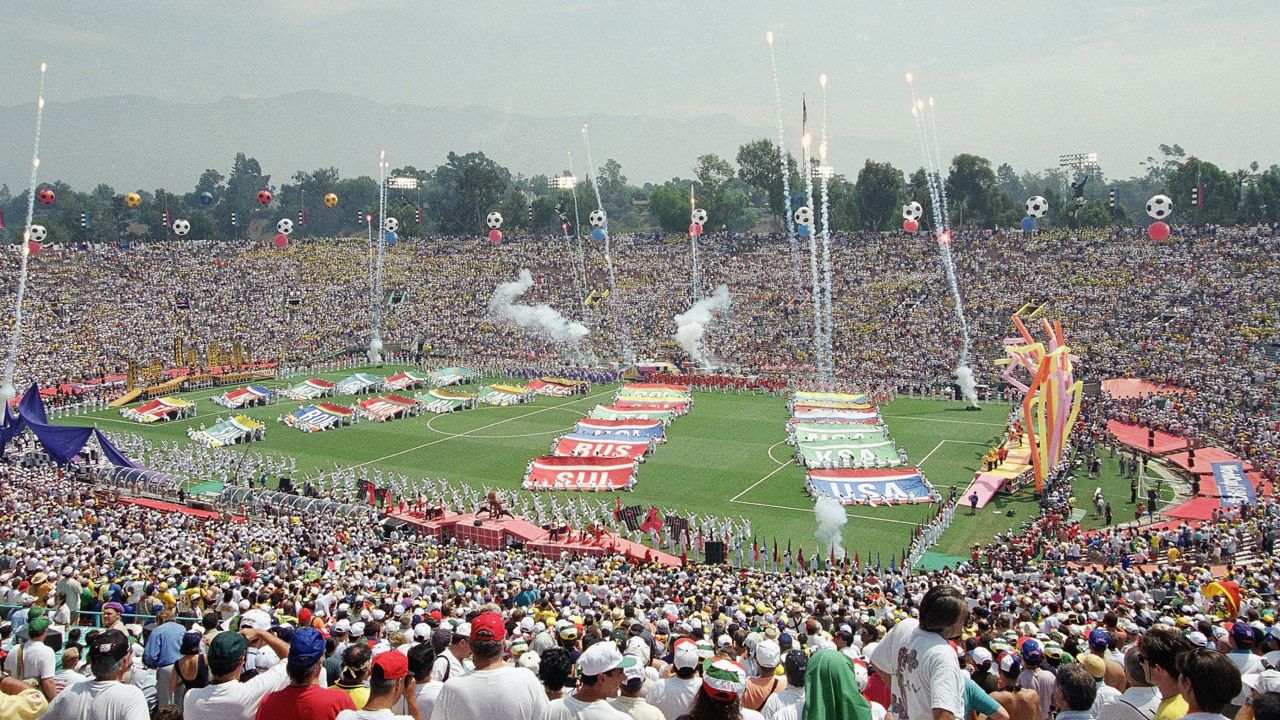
33 660
225 697
110 657
494 690
927 682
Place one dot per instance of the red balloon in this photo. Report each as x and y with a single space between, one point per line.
46 196
695 229
264 197
282 241
495 236
1158 231
910 225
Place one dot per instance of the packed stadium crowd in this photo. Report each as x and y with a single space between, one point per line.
117 610
116 605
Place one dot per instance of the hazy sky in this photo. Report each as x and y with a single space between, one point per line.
1015 81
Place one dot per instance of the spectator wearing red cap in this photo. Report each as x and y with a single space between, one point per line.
494 690
304 699
389 683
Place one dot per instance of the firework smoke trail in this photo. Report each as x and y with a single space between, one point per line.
796 278
627 354
816 298
693 243
8 391
828 356
576 247
937 155
963 373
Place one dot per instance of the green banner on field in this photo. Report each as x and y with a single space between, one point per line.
850 454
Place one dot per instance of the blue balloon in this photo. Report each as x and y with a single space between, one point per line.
1028 224
598 234
802 230
206 198
391 238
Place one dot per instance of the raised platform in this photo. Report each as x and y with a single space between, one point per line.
1137 388
1135 438
174 507
509 532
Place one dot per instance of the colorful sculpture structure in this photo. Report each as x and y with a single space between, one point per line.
1051 403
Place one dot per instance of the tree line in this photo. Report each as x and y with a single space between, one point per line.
741 195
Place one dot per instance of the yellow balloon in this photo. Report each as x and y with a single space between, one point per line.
133 199
331 200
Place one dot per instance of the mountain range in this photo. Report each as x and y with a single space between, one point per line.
135 142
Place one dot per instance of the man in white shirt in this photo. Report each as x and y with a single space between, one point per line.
1139 701
1097 668
226 698
33 660
927 682
449 664
794 665
104 697
68 675
674 695
600 675
631 700
493 690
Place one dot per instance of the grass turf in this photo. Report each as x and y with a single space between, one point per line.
728 456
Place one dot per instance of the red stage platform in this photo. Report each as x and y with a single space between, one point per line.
1205 456
517 531
174 507
1135 437
1138 388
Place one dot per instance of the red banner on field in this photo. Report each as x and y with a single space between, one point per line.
570 447
552 472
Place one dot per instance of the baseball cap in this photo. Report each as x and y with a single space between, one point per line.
226 649
1010 664
1243 633
1032 652
723 679
602 657
768 654
981 656
39 625
393 665
1099 639
634 673
1198 639
685 654
1096 666
795 663
109 643
342 627
306 648
488 626
256 619
1263 682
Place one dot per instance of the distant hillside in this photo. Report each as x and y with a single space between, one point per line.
135 142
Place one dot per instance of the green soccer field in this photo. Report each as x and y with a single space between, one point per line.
728 456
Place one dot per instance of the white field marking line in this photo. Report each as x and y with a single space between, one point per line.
482 427
771 457
940 444
807 510
942 420
766 477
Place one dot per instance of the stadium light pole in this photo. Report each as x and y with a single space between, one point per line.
8 391
375 334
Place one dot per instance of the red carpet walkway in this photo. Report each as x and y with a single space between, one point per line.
1135 437
174 507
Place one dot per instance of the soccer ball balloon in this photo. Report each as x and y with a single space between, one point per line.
698 216
1037 207
133 200
391 224
181 227
1160 207
597 218
912 210
804 216
285 226
264 197
46 196
331 200
38 233
493 220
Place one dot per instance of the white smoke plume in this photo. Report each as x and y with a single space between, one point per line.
968 386
542 319
692 323
831 520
